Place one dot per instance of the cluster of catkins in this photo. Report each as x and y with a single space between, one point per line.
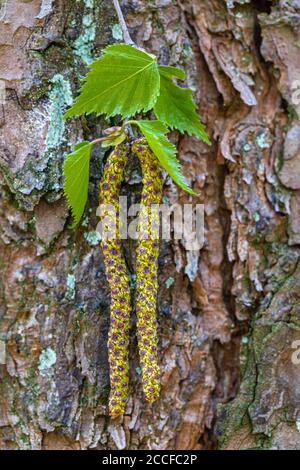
146 275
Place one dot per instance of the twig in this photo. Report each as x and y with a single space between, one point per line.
127 40
126 35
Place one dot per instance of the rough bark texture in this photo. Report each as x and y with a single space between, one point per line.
241 289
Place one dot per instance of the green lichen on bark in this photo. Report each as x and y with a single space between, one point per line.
84 44
60 97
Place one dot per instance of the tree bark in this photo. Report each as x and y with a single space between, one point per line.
228 314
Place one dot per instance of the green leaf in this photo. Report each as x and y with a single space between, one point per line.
176 108
115 138
154 132
169 71
76 172
125 80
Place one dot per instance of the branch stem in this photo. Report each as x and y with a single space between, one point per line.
126 35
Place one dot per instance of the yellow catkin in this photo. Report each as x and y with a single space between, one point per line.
118 279
146 270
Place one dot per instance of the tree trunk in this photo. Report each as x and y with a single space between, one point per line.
229 314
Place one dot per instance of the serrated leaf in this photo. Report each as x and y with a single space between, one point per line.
76 172
125 80
176 108
154 132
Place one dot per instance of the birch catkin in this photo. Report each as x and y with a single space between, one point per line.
146 270
116 272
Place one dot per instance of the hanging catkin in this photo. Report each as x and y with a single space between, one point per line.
116 272
146 270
